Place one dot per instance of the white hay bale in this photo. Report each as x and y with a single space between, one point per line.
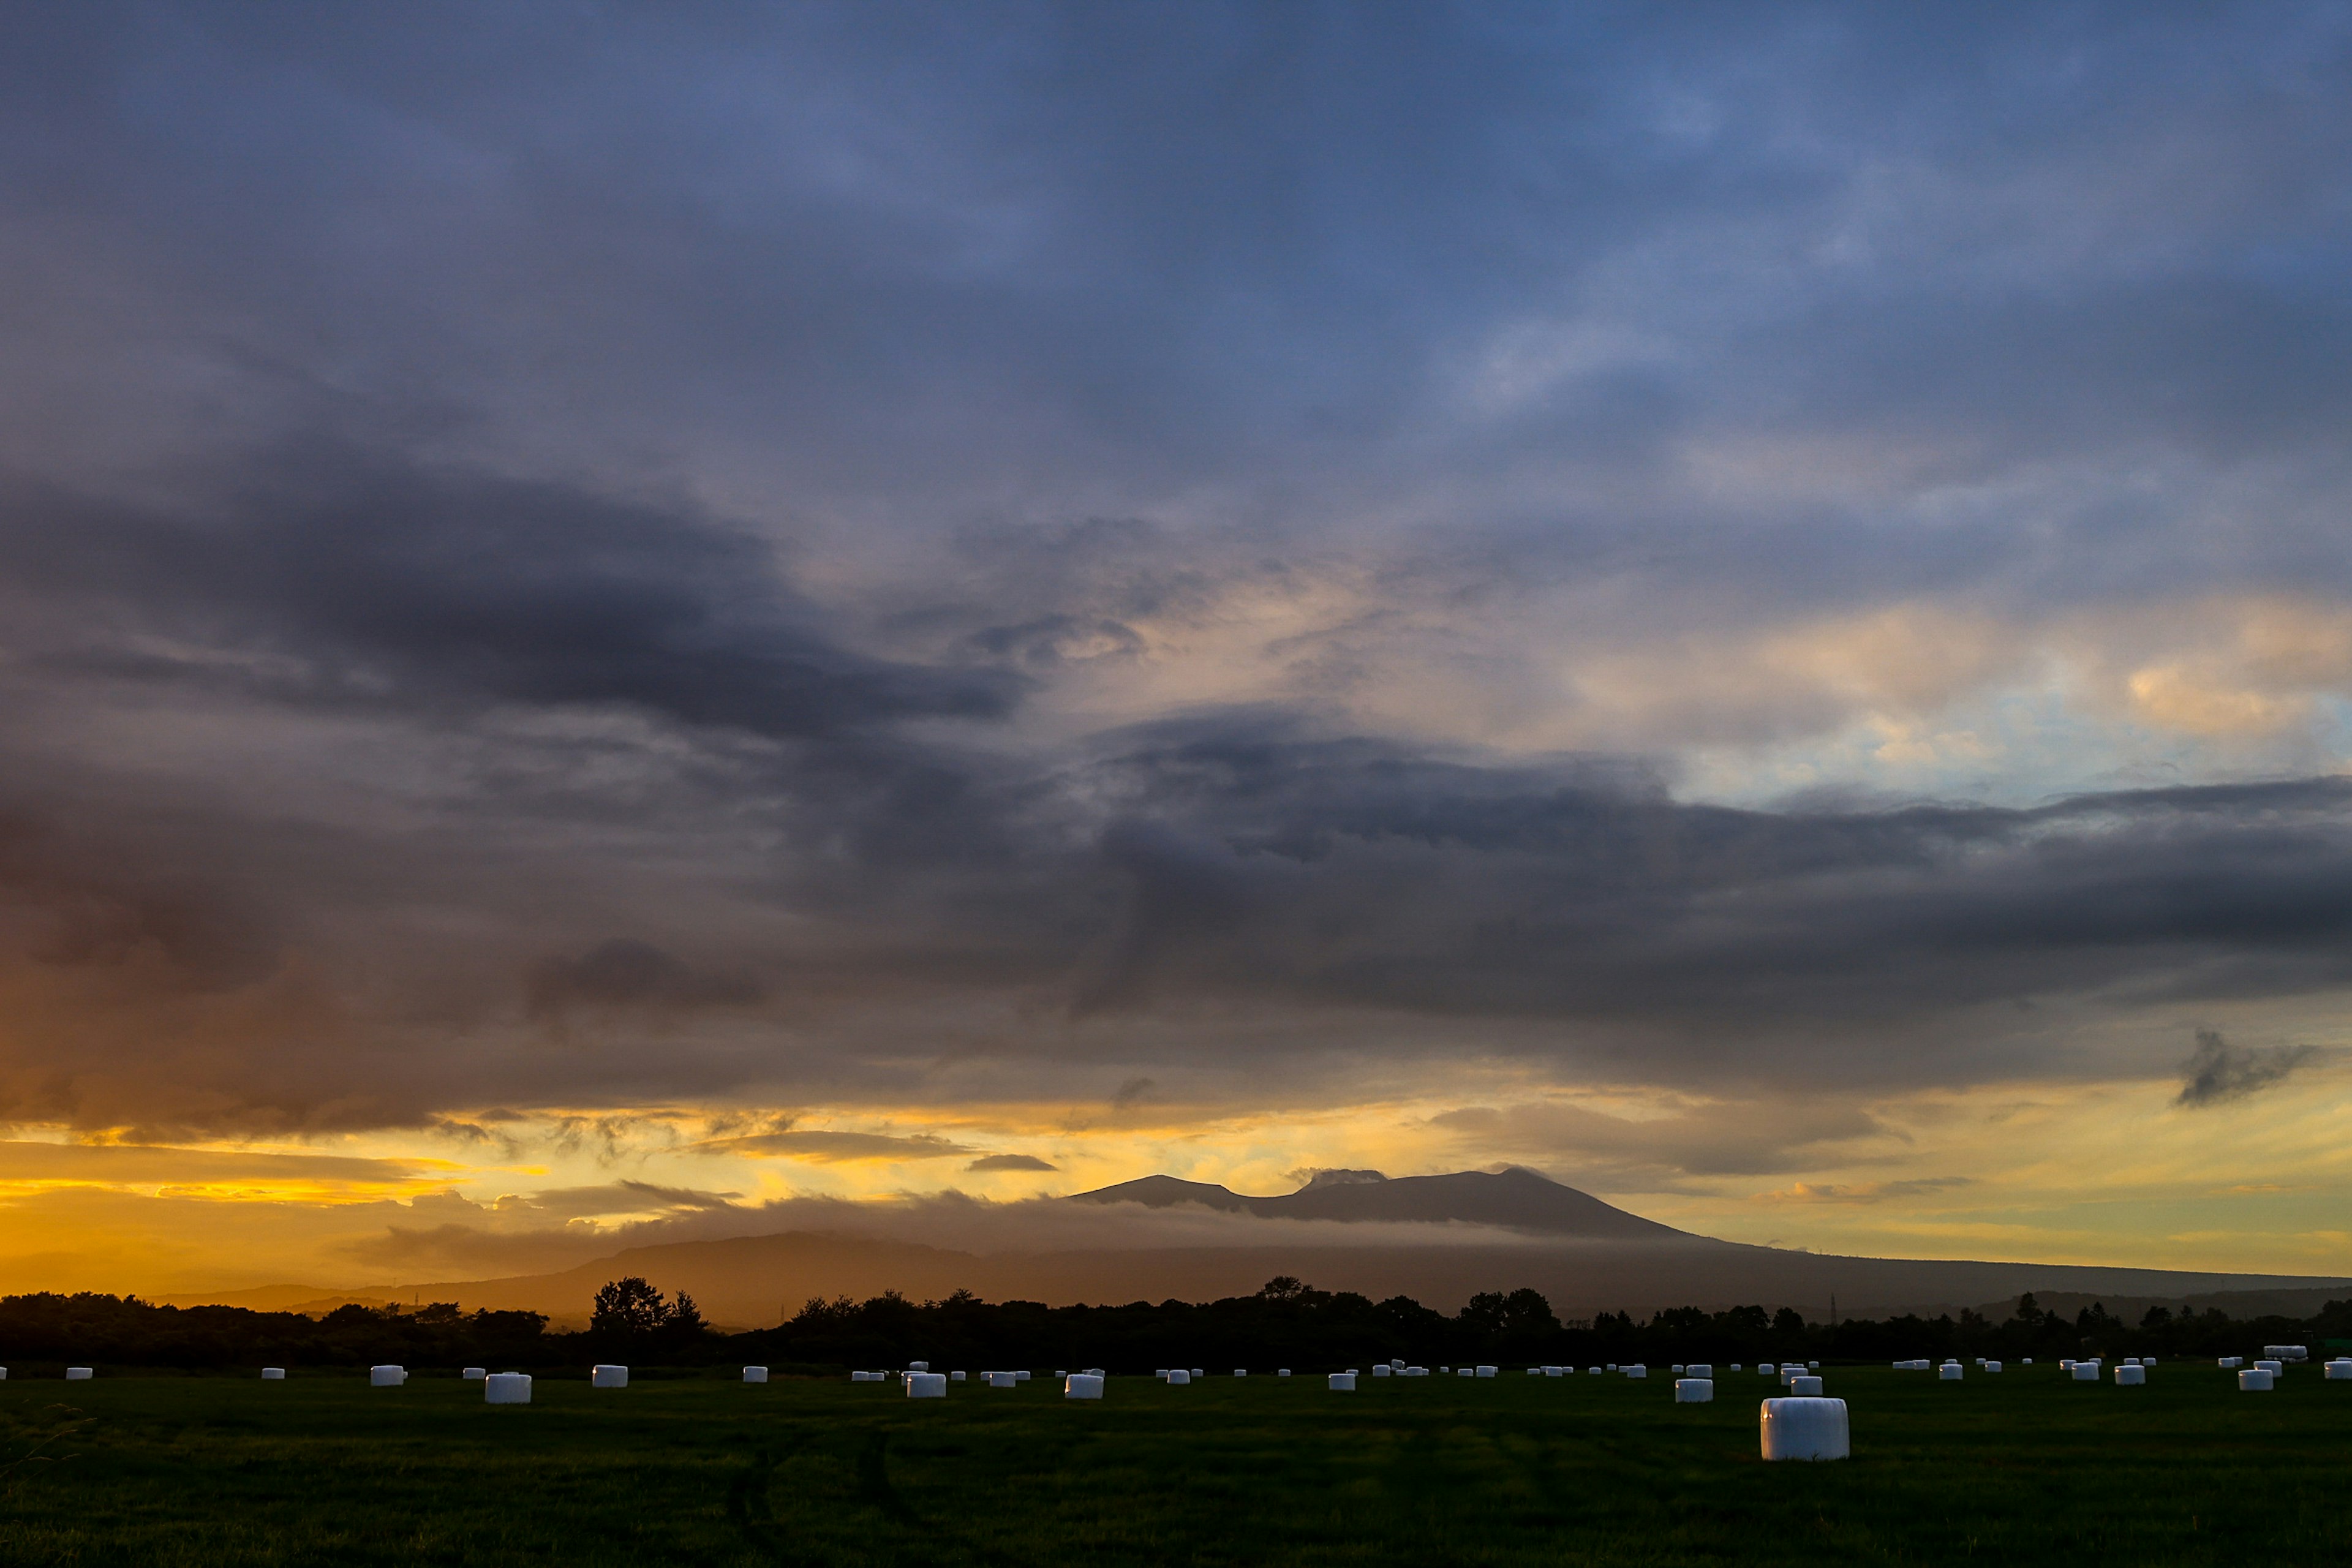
1240 1371
1764 1367
1735 1366
2274 1367
2131 1361
1694 1391
1023 1377
1179 1375
2230 1363
1701 1369
927 1386
1637 1370
955 1377
79 1374
604 1375
378 1376
1342 1382
1096 1371
2085 1371
1083 1385
2288 1352
2339 1371
2131 1377
1535 1372
998 1378
1283 1372
1383 1370
1593 1370
1484 1371
1416 1372
506 1388
1805 1386
1950 1372
2256 1380
268 1374
1992 1366
1554 1371
2025 1360
1812 1366
1613 1366
1678 1369
755 1374
918 1366
1465 1372
1804 1429
1198 1372
474 1374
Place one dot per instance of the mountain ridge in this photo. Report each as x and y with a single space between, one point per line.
1514 1199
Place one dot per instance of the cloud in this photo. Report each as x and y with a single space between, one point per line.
1010 1163
1863 1193
626 973
834 1148
2218 1072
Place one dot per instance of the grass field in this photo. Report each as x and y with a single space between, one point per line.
2023 1467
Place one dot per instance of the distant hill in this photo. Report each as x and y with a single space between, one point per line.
1486 1232
1514 1199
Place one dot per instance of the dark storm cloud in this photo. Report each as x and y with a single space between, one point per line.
324 573
510 514
1011 1163
2218 1072
626 973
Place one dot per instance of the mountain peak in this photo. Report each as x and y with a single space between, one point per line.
1340 1179
1513 1199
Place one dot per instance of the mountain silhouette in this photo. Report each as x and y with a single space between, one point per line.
1514 1199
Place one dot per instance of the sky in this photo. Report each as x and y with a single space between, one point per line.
613 618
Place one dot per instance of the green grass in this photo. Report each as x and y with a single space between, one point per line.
2024 1468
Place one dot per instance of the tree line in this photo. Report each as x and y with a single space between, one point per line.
1285 1323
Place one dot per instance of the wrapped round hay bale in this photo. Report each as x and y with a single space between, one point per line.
1198 1372
1554 1371
378 1376
1950 1372
1416 1372
473 1373
999 1379
2339 1371
604 1375
2230 1363
2131 1377
1465 1372
1678 1369
1342 1382
1282 1371
506 1388
1096 1371
268 1375
1764 1367
1083 1385
1484 1371
1701 1369
918 1366
1637 1371
1593 1370
1613 1366
2085 1371
755 1374
2288 1352
79 1374
1812 1366
1694 1391
955 1377
1383 1370
2256 1380
1735 1366
2275 1368
1806 1428
1804 1385
1023 1377
1992 1366
1240 1371
2131 1361
927 1386
1178 1375
2025 1360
